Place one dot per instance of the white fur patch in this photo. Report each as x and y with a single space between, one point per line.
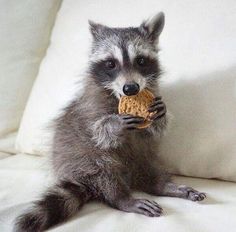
117 53
104 133
139 79
98 56
106 52
131 52
117 85
139 49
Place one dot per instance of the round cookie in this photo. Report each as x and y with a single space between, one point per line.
137 105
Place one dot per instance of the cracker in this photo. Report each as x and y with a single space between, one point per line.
138 105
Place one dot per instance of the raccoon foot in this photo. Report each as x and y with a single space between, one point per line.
159 107
191 194
181 191
141 206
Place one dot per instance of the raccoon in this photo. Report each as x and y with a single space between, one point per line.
98 154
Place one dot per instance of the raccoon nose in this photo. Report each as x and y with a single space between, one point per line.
131 89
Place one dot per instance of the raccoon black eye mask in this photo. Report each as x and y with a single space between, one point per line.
99 154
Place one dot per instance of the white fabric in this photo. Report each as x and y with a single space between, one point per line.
201 141
198 42
24 35
23 178
7 143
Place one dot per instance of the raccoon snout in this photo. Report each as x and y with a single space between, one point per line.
131 89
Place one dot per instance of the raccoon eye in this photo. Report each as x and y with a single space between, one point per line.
110 64
141 61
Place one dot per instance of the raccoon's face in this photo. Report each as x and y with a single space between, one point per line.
124 60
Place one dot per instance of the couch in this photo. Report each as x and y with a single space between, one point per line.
44 48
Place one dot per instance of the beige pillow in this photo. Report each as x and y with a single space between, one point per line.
25 28
193 48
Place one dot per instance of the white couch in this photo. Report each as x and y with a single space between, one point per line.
198 54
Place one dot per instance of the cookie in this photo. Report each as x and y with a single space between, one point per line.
137 105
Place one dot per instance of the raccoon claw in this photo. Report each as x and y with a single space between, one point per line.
143 206
159 107
148 208
131 122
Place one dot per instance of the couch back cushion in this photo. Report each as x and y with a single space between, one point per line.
25 28
197 54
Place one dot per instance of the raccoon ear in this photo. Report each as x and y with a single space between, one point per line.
96 29
153 27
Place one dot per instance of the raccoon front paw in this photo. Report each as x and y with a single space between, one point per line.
141 206
158 107
130 122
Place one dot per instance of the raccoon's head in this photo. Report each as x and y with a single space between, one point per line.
124 60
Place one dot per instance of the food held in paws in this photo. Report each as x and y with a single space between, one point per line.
138 105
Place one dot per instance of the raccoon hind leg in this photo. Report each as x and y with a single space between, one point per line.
182 191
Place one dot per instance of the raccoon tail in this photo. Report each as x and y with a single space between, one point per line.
58 204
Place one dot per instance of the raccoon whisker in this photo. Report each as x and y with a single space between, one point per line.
108 87
150 78
152 75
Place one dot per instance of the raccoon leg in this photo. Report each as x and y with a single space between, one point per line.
182 191
157 181
116 193
57 205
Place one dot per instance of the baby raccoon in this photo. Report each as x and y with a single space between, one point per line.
98 154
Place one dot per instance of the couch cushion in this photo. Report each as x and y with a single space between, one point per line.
25 31
23 178
199 85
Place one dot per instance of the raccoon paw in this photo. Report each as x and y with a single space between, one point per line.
158 107
130 122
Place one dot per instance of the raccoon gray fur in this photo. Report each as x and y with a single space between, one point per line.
99 154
